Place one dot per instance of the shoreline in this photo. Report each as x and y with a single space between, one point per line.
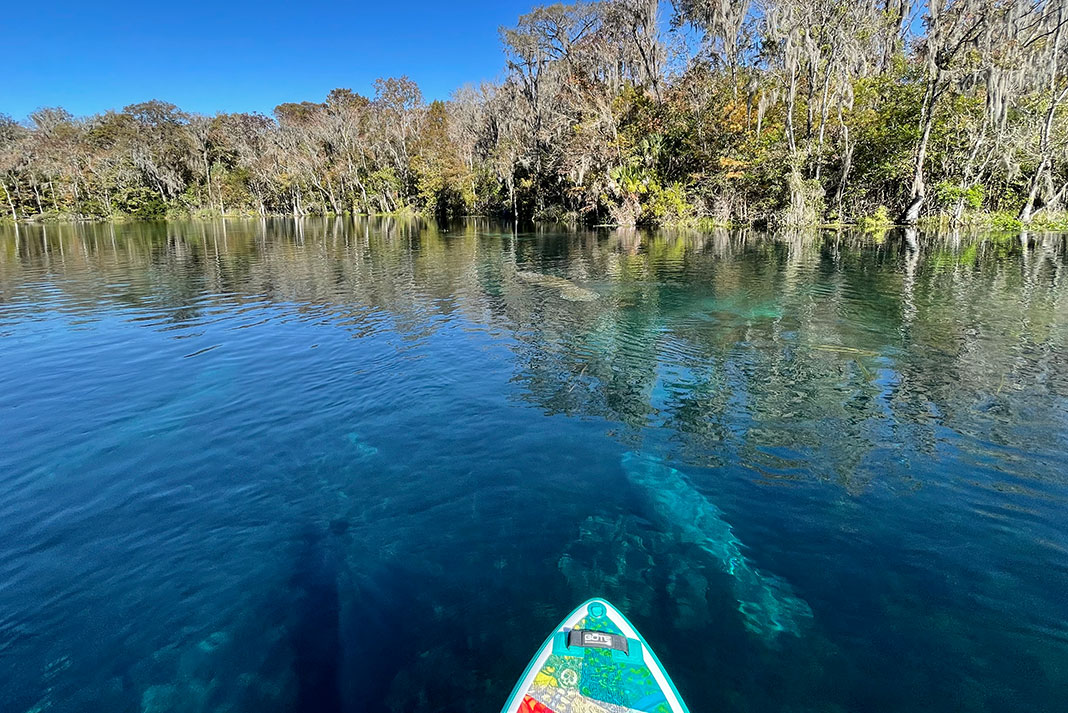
993 222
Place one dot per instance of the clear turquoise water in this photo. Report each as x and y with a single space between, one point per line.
365 466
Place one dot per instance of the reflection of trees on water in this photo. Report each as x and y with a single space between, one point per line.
982 326
799 354
797 357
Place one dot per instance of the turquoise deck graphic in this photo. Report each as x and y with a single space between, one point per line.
565 677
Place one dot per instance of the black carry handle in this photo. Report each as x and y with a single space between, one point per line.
597 640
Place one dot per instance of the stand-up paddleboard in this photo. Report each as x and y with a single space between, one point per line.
595 662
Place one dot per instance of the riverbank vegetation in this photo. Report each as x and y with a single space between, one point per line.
627 112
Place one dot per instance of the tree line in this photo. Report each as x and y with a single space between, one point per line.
627 112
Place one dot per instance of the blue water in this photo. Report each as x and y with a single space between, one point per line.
366 466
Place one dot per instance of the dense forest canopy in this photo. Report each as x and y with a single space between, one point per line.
625 112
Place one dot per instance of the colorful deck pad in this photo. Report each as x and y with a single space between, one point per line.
567 677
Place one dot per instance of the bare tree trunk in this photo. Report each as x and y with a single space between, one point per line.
363 192
37 195
823 119
1027 211
791 99
207 177
969 168
809 103
332 198
794 184
912 212
847 164
10 203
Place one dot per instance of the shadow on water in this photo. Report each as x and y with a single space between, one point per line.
314 634
880 419
351 627
375 642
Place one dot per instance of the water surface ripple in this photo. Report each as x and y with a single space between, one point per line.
364 465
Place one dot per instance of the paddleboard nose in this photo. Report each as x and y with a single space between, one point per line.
595 662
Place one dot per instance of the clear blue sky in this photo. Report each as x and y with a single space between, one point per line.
240 56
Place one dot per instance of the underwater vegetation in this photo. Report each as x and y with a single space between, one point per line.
568 290
767 603
362 448
739 308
